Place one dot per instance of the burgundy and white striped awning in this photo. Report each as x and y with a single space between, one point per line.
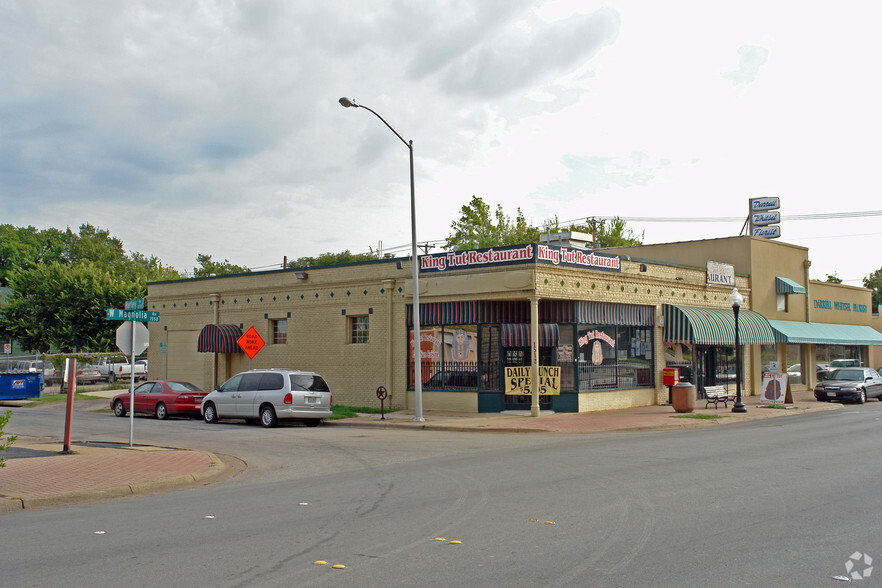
219 339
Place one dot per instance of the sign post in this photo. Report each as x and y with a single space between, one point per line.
132 338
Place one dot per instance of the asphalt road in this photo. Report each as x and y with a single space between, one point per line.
780 502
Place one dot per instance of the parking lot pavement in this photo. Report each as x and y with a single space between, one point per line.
38 475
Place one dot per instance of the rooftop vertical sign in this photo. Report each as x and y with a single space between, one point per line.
764 217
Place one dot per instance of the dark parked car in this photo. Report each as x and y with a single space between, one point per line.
854 384
453 379
161 398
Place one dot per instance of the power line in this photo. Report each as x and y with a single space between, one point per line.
729 219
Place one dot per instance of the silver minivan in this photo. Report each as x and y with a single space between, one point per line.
268 396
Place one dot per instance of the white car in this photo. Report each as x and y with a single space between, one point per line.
268 396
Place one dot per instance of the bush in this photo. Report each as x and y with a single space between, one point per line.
10 439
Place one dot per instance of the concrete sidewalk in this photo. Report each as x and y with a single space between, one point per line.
39 476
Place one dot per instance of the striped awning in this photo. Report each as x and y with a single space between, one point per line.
787 286
470 312
825 333
596 313
518 334
219 339
715 326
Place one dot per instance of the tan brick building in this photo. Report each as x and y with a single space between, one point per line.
604 320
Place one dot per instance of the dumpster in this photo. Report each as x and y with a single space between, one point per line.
20 386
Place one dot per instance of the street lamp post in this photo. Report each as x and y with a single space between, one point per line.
735 299
417 356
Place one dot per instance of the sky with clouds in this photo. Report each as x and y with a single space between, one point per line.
213 126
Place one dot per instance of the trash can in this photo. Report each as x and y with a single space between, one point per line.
683 397
20 386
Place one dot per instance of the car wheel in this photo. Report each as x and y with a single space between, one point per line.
161 411
268 417
313 422
863 397
210 413
118 408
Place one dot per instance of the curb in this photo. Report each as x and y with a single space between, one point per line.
217 467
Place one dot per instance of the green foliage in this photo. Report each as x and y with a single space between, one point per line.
833 278
874 282
6 443
63 282
65 307
207 267
345 412
331 259
478 227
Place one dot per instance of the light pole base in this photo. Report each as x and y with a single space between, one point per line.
419 420
739 407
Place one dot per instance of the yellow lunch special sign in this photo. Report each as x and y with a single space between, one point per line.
517 380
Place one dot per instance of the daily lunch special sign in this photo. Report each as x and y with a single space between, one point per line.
518 382
533 253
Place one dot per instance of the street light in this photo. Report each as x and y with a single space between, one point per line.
735 299
417 359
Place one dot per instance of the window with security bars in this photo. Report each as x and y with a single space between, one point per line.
280 331
359 329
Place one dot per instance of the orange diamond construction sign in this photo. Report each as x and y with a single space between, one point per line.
251 342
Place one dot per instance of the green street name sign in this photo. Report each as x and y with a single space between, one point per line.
136 304
148 316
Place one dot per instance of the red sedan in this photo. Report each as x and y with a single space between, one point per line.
162 398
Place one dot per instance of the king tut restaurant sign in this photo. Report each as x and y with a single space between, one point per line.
517 380
720 274
517 254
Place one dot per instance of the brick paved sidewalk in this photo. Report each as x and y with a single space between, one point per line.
95 473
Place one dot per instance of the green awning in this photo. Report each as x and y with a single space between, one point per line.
715 326
825 333
787 286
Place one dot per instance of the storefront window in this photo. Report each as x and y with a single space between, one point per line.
489 357
565 358
450 357
795 371
768 354
614 357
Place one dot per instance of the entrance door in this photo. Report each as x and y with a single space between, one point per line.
518 357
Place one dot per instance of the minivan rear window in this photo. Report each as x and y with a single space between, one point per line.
311 382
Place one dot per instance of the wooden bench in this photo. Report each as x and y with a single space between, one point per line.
717 394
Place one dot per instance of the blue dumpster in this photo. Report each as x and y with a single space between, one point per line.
20 386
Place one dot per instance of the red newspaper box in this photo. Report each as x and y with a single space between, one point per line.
670 376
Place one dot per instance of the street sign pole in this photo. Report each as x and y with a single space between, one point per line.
132 391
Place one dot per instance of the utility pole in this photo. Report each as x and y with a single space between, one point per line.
594 222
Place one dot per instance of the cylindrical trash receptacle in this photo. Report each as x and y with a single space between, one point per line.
683 397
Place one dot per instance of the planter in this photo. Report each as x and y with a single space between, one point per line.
683 397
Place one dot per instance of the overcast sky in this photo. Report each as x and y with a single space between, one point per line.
213 126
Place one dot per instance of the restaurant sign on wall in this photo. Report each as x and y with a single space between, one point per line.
519 254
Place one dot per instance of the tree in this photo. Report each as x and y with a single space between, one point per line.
216 268
478 228
332 259
65 307
874 282
833 278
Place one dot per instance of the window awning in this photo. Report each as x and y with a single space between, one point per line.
518 334
715 326
787 286
219 339
825 333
